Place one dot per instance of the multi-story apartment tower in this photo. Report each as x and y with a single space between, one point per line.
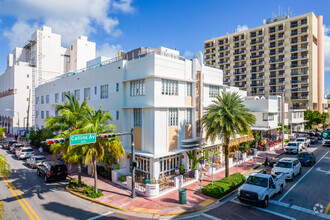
283 53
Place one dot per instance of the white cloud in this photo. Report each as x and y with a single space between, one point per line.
326 43
241 28
124 6
108 50
19 33
188 54
70 18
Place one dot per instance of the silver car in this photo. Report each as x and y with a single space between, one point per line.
24 152
34 161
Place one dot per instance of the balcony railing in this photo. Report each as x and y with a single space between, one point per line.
276 60
299 57
256 64
256 84
297 73
298 41
300 97
276 75
257 70
299 65
239 52
276 83
239 73
257 78
276 68
276 38
275 90
209 45
258 92
239 66
239 79
295 33
256 56
276 53
299 81
256 42
276 45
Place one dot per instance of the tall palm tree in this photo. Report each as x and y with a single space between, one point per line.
69 120
97 122
225 118
4 166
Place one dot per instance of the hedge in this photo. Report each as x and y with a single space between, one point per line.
85 189
223 186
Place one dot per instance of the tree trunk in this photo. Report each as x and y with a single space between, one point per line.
79 174
95 176
227 158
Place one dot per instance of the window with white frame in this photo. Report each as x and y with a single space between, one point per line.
213 91
87 93
37 114
294 115
63 97
173 117
301 115
56 97
188 116
104 92
189 89
42 114
169 164
137 88
265 117
42 99
47 114
169 87
117 87
37 100
47 99
95 90
117 115
137 117
77 94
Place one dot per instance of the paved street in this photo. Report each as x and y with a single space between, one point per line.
44 201
296 202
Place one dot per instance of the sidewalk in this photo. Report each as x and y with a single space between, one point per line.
118 196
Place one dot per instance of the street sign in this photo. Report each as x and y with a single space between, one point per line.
82 139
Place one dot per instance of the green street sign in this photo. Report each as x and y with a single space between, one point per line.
82 139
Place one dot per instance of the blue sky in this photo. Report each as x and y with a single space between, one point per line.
127 24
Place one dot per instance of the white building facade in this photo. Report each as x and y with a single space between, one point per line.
41 58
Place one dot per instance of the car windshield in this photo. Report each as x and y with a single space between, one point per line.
304 155
300 140
257 181
292 144
39 158
27 150
284 164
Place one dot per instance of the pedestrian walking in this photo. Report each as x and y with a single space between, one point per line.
40 150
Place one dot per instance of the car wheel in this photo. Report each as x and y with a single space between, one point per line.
45 179
38 172
281 190
265 202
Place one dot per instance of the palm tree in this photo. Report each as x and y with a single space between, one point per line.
69 120
97 122
225 118
4 166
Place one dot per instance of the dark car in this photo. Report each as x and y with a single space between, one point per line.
306 158
8 145
13 147
313 140
51 170
34 161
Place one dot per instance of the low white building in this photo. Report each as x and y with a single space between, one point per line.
158 93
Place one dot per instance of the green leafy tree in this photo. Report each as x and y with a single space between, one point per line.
286 128
225 118
68 121
314 118
4 166
2 133
97 122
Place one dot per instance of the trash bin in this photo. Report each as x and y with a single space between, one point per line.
183 196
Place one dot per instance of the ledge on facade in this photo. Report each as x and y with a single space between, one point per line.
264 128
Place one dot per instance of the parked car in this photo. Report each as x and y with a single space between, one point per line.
51 170
8 144
34 161
24 152
290 167
326 141
306 158
293 147
259 188
14 146
313 140
304 141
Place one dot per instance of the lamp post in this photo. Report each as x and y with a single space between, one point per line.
283 111
134 164
16 113
201 163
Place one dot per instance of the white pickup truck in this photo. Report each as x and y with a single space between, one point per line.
306 142
259 188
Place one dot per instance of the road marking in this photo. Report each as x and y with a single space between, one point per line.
206 202
100 216
327 209
18 199
265 210
20 195
210 216
302 209
323 171
302 177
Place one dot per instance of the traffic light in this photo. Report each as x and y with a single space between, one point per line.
55 141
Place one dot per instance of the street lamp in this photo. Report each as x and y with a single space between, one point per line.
283 111
16 113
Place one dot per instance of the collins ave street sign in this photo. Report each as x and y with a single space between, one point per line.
82 139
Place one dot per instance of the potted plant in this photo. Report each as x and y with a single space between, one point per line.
122 178
117 166
182 169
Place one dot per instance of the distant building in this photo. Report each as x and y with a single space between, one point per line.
41 58
283 53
